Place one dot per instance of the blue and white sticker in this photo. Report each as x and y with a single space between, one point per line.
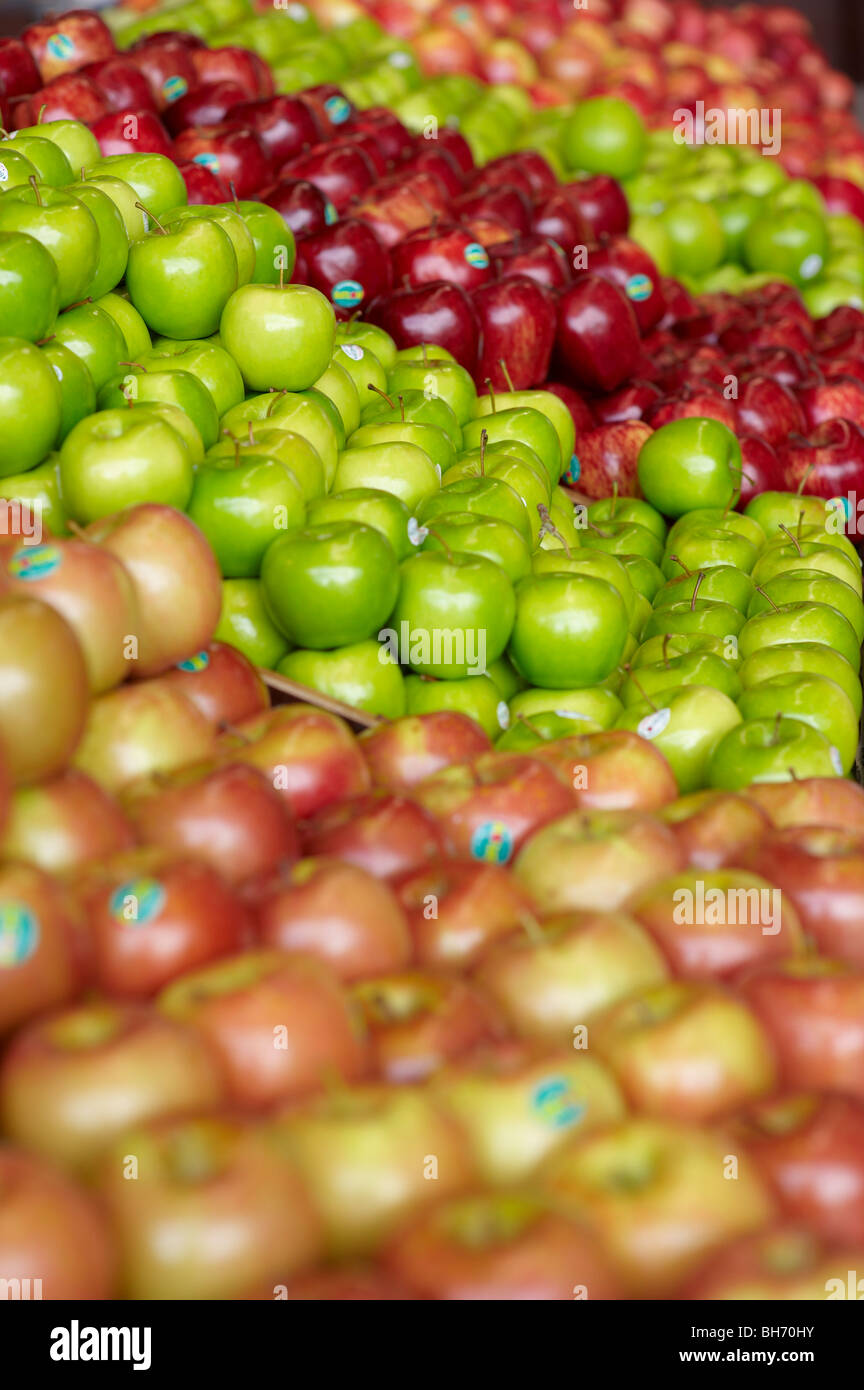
476 255
137 902
199 662
836 760
4 173
60 46
555 1104
573 470
353 351
19 934
347 294
330 213
173 88
416 533
338 109
639 287
492 842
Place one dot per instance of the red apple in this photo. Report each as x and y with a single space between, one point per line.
341 172
445 252
122 84
167 65
782 1264
347 251
310 756
820 870
607 457
517 325
140 730
401 753
201 185
233 64
457 910
417 1021
601 202
206 105
55 1239
132 131
716 829
537 257
285 126
236 156
441 314
221 682
383 832
63 823
598 336
816 801
302 207
18 71
43 946
65 43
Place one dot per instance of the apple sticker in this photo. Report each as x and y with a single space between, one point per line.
347 294
199 662
653 724
35 561
137 902
492 842
19 934
173 88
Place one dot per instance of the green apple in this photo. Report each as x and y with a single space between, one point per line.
604 135
525 425
420 352
721 519
665 646
363 674
245 624
135 220
232 225
415 408
719 583
439 377
338 385
77 391
695 668
762 176
279 335
362 366
773 509
272 240
525 734
476 696
454 613
592 562
241 506
429 438
482 535
816 700
209 363
327 586
29 287
546 402
136 334
570 629
649 233
704 547
812 658
77 143
484 496
776 560
40 490
290 448
561 520
627 509
371 506
64 226
530 485
737 213
180 280
811 586
624 538
695 462
180 422
307 414
685 725
157 181
164 386
771 750
800 622
113 241
505 677
16 170
93 336
46 157
646 577
791 242
405 470
370 338
697 615
593 704
31 405
696 236
117 458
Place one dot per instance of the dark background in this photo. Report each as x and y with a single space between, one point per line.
838 24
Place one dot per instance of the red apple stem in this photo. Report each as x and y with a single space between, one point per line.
36 193
155 220
793 538
503 365
382 394
491 394
774 605
642 691
548 528
696 587
677 561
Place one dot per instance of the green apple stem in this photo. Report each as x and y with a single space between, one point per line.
523 719
382 394
234 195
491 394
666 638
793 538
614 507
696 587
35 186
251 435
155 220
42 109
484 440
688 574
436 535
548 528
642 691
531 928
503 365
767 596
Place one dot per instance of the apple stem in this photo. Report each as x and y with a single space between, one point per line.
614 506
688 573
155 220
523 719
137 365
236 453
532 928
281 272
382 394
666 638
491 394
234 195
774 605
401 400
642 691
793 538
226 727
605 535
83 173
251 435
484 439
436 535
77 531
775 733
42 109
696 587
800 488
43 342
548 528
503 365
35 186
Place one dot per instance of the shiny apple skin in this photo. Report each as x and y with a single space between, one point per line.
402 753
226 689
821 872
716 828
310 756
383 833
64 823
812 801
622 772
783 1263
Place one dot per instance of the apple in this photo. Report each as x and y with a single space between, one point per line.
309 755
613 770
45 954
716 828
297 341
181 275
214 1211
821 801
598 335
63 823
327 586
29 291
221 682
441 314
71 1081
688 464
43 689
418 1021
363 1155
517 324
357 675
27 376
604 135
781 1264
813 699
54 1236
455 911
64 226
777 749
275 1020
120 456
655 1195
138 730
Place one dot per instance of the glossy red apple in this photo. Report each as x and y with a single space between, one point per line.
341 172
141 730
135 131
348 251
206 105
383 832
817 801
537 257
122 84
308 755
302 207
607 457
445 252
598 336
285 126
65 43
201 185
600 200
166 63
517 325
441 314
237 156
231 63
221 682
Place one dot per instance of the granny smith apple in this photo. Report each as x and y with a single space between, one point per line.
476 696
816 700
792 242
363 675
415 408
40 490
241 506
737 212
646 577
135 332
113 241
624 538
482 535
166 385
773 509
300 413
696 236
371 506
31 405
233 226
696 615
546 402
593 704
273 242
800 622
705 547
370 338
180 279
771 750
362 366
686 725
719 583
46 157
94 337
208 362
454 611
522 423
719 519
591 562
405 470
777 560
695 668
77 143
77 390
279 335
64 226
124 197
439 377
338 385
245 624
181 422
292 449
505 677
117 458
811 586
665 646
485 496
327 586
29 287
16 170
604 135
628 509
694 462
570 629
157 181
812 658
429 438
545 727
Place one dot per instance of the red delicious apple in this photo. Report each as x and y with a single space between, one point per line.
769 410
832 399
167 64
308 755
302 207
841 195
517 325
335 910
65 43
441 314
537 257
818 801
503 201
18 71
331 106
762 468
71 97
73 1080
233 64
347 251
442 252
401 753
583 418
136 131
394 140
341 172
828 464
630 402
237 156
456 910
693 402
207 105
55 1238
276 1021
598 336
122 84
418 1021
63 823
201 185
601 202
607 458
285 126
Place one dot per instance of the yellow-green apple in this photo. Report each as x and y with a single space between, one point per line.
139 730
64 822
785 1264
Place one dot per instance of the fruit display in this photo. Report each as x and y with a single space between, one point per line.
431 612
